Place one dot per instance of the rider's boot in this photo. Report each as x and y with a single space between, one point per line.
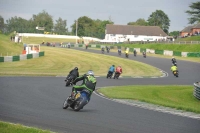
73 95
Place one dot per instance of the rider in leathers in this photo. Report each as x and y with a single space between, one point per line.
173 60
73 73
174 68
88 85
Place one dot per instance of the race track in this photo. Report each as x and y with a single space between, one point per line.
37 102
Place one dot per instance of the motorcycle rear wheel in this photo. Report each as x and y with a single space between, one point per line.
79 105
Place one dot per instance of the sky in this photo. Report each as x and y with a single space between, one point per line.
119 11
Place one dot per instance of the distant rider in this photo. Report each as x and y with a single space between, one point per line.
119 51
173 60
174 68
73 73
102 49
69 45
118 71
107 49
111 70
88 85
134 52
143 52
126 52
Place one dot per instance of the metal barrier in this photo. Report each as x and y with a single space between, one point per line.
196 91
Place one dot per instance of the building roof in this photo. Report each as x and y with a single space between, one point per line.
135 30
189 28
196 25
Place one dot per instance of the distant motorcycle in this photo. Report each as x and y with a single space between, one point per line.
69 81
108 50
176 73
126 55
109 75
174 63
135 54
102 51
116 76
144 55
81 99
119 52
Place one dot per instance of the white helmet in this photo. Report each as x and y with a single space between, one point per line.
90 72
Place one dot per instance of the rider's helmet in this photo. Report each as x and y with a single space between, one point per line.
172 57
113 65
76 68
90 72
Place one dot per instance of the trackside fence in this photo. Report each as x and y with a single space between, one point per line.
21 57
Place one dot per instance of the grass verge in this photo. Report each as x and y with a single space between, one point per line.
17 128
59 61
176 96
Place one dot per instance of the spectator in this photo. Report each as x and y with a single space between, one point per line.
18 39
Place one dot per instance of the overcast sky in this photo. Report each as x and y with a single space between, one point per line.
120 11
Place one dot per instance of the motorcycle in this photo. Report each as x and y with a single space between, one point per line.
174 63
135 54
116 75
119 52
144 55
102 51
81 99
175 73
69 81
108 50
126 55
109 75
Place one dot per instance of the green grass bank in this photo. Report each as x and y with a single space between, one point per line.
176 96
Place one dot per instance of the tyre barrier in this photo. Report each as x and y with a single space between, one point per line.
196 91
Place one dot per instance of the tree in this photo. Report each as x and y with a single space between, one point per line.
42 19
174 33
86 26
2 25
194 12
101 26
140 22
159 18
60 26
17 24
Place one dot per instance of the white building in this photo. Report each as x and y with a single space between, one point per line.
121 33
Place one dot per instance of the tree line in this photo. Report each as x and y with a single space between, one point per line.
87 26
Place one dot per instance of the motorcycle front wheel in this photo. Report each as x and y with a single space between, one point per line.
65 104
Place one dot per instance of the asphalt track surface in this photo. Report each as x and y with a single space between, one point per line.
37 102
